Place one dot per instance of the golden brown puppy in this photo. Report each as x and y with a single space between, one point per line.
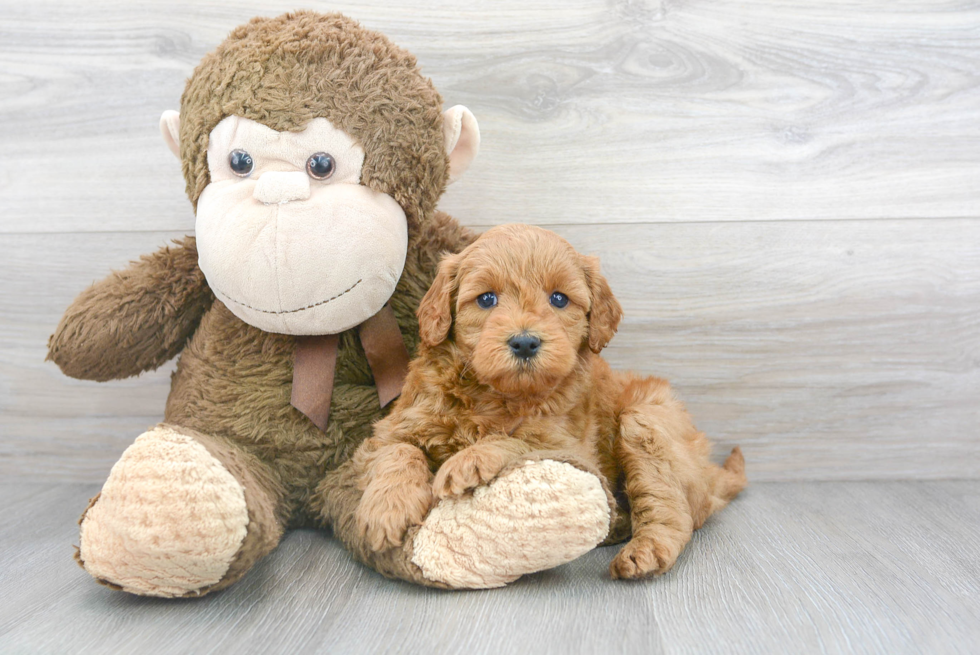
511 330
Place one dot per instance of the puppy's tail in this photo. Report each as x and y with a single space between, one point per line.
729 479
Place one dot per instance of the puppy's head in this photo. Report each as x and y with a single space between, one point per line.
522 306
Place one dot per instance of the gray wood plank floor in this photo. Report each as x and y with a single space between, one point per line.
858 567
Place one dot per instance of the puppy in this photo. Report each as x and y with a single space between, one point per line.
508 367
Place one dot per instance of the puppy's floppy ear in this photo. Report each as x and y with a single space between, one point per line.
435 311
606 312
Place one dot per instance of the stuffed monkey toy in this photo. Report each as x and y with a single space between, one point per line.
314 153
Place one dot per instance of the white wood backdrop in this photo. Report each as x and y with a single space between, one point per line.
785 195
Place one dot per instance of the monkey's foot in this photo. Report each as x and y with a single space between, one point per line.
534 516
169 521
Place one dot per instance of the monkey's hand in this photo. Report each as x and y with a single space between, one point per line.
135 319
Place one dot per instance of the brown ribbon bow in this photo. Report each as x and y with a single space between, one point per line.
315 362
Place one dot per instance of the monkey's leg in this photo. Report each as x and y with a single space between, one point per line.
541 511
181 514
657 469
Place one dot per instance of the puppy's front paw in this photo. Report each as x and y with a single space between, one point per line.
385 514
466 470
645 556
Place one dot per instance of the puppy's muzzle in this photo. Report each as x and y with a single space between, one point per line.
524 346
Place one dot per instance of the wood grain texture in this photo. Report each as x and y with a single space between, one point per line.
790 567
674 139
714 155
827 349
591 110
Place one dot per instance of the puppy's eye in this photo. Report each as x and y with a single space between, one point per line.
559 300
486 300
320 166
241 163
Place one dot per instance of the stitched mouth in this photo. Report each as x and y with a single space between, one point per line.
290 311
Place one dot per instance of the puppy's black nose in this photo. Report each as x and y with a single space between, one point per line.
524 345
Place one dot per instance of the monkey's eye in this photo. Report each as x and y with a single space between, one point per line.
559 300
241 163
486 300
320 166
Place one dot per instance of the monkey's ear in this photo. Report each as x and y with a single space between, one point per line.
606 312
435 311
170 129
462 139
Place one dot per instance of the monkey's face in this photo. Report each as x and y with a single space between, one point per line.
288 237
313 150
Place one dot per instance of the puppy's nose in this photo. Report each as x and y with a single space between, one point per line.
524 345
276 188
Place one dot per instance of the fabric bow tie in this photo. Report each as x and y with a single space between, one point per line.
316 360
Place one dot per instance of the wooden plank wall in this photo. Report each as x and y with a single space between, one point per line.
785 196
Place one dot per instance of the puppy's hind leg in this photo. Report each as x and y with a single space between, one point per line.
726 481
657 468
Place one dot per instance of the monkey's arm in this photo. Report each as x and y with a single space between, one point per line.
135 319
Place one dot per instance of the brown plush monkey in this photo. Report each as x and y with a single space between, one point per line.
314 153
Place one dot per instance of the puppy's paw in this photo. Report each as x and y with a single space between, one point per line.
467 470
644 556
385 514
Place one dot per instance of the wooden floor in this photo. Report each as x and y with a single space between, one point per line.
833 567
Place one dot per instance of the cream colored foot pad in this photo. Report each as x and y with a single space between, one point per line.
532 518
169 520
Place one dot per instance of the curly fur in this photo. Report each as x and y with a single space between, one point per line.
471 407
